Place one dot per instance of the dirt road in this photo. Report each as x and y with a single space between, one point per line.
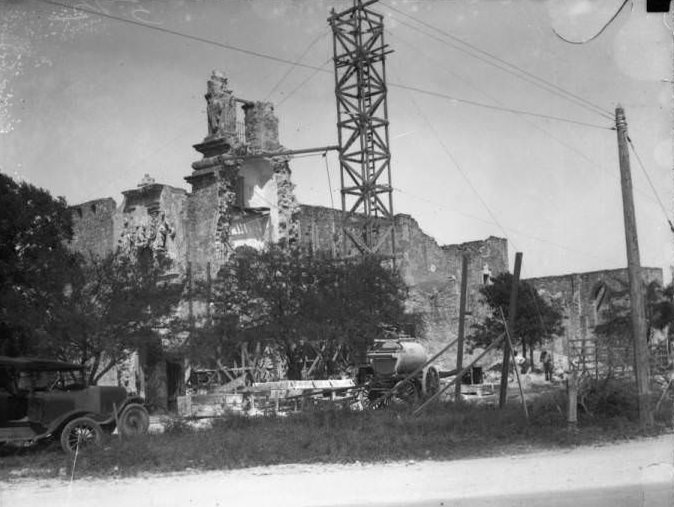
634 473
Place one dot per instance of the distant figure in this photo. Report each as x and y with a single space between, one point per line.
546 359
524 366
519 364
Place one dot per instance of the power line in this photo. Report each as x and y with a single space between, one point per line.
511 229
327 172
299 64
290 69
457 165
534 125
538 81
606 25
648 178
499 108
181 34
442 206
305 81
485 205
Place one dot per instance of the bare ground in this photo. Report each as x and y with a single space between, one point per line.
634 473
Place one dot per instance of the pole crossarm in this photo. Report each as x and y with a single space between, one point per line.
359 55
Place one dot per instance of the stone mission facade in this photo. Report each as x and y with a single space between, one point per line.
248 199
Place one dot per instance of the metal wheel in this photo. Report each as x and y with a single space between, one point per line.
407 392
430 382
134 420
80 433
377 401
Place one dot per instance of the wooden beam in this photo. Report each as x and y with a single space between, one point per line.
462 319
217 160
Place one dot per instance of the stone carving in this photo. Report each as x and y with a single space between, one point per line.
164 231
147 180
220 107
153 234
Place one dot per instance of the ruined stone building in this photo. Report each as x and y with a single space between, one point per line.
585 300
249 200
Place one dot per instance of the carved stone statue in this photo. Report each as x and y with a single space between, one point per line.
220 107
164 230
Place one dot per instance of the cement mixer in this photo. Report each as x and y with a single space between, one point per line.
397 369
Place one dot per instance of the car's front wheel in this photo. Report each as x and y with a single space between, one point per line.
80 433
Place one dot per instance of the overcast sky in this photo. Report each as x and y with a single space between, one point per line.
89 104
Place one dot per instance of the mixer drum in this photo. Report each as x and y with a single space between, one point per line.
392 357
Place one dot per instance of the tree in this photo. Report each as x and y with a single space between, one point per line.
536 321
113 306
57 303
615 326
615 330
35 263
289 297
660 306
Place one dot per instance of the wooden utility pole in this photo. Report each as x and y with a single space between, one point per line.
462 320
512 313
639 328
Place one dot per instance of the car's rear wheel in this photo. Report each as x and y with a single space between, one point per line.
80 433
134 420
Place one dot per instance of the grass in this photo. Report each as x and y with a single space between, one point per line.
445 431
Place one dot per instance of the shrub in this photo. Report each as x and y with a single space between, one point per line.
607 398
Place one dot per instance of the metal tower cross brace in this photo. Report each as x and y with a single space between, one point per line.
362 128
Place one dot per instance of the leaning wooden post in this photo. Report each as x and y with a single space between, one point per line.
572 391
190 303
512 312
462 319
517 371
119 430
459 374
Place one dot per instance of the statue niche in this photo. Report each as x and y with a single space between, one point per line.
220 108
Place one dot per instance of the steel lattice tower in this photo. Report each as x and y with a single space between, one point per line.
362 128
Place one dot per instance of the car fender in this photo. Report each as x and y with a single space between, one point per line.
56 425
128 401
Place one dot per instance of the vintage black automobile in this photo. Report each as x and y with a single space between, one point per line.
45 399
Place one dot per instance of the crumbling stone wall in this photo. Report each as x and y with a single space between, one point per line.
151 216
433 272
202 216
286 203
93 229
253 196
261 127
580 297
434 275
